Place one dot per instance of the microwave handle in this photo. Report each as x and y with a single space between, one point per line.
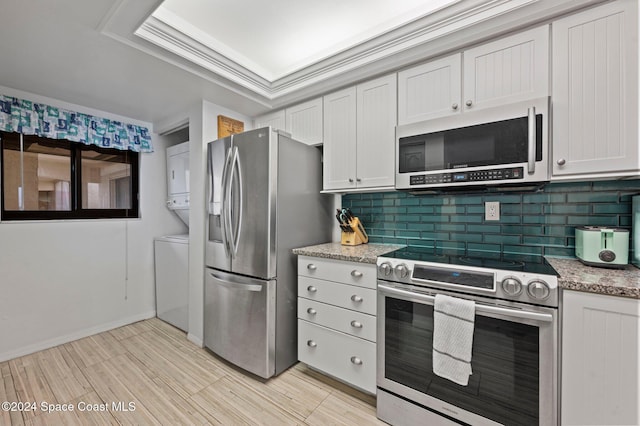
429 300
531 157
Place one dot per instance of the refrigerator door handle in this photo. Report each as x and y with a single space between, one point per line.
236 285
225 211
211 180
237 166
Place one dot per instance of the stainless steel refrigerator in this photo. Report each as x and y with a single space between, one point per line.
263 200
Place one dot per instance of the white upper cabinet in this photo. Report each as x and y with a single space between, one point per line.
359 136
511 69
339 149
430 90
595 92
376 128
507 70
304 122
275 119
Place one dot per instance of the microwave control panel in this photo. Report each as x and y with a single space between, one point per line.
473 176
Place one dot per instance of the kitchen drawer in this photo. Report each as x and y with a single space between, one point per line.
344 357
360 274
340 319
345 296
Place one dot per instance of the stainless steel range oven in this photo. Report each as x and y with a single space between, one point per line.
515 340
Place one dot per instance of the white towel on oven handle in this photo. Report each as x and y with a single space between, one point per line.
453 326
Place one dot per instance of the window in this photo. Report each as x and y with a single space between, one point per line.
57 179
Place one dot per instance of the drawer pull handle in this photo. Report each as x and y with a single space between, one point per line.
356 324
356 360
312 267
311 311
311 343
356 298
312 289
356 274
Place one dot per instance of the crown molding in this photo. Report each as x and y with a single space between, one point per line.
159 30
460 25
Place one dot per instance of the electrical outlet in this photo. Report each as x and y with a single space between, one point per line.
492 210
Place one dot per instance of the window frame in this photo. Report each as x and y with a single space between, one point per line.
76 212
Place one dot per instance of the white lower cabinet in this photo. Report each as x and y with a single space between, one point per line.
347 358
600 360
337 319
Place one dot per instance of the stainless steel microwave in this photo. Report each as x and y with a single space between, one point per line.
492 146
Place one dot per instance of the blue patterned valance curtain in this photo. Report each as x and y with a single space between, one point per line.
31 118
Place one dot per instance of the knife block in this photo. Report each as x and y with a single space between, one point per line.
357 235
351 239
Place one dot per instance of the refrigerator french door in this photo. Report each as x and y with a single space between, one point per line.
263 192
242 194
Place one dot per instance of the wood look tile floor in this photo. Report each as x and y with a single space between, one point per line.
153 369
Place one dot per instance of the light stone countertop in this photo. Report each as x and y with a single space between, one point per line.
364 253
574 275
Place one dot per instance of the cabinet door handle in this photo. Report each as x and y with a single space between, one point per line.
312 267
311 311
350 180
356 360
311 343
469 103
454 107
356 298
561 162
312 289
358 180
356 274
356 324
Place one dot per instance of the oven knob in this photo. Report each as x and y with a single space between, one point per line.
538 290
385 269
512 286
402 271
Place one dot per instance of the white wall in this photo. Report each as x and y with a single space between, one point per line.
62 280
203 128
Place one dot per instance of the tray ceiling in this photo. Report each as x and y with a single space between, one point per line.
274 39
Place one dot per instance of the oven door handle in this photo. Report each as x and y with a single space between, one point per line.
429 300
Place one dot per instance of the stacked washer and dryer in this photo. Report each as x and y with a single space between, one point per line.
172 251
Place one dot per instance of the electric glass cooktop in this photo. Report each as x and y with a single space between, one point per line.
497 261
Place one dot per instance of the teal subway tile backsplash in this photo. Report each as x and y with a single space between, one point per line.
531 223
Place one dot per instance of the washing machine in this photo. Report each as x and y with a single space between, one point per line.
172 279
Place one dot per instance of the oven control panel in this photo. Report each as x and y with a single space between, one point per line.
508 285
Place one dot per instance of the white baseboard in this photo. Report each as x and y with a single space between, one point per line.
29 349
195 340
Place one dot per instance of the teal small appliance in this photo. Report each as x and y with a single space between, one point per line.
602 246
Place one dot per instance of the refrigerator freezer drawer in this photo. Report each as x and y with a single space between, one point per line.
239 321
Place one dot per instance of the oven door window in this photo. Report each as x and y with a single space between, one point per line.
504 386
496 143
